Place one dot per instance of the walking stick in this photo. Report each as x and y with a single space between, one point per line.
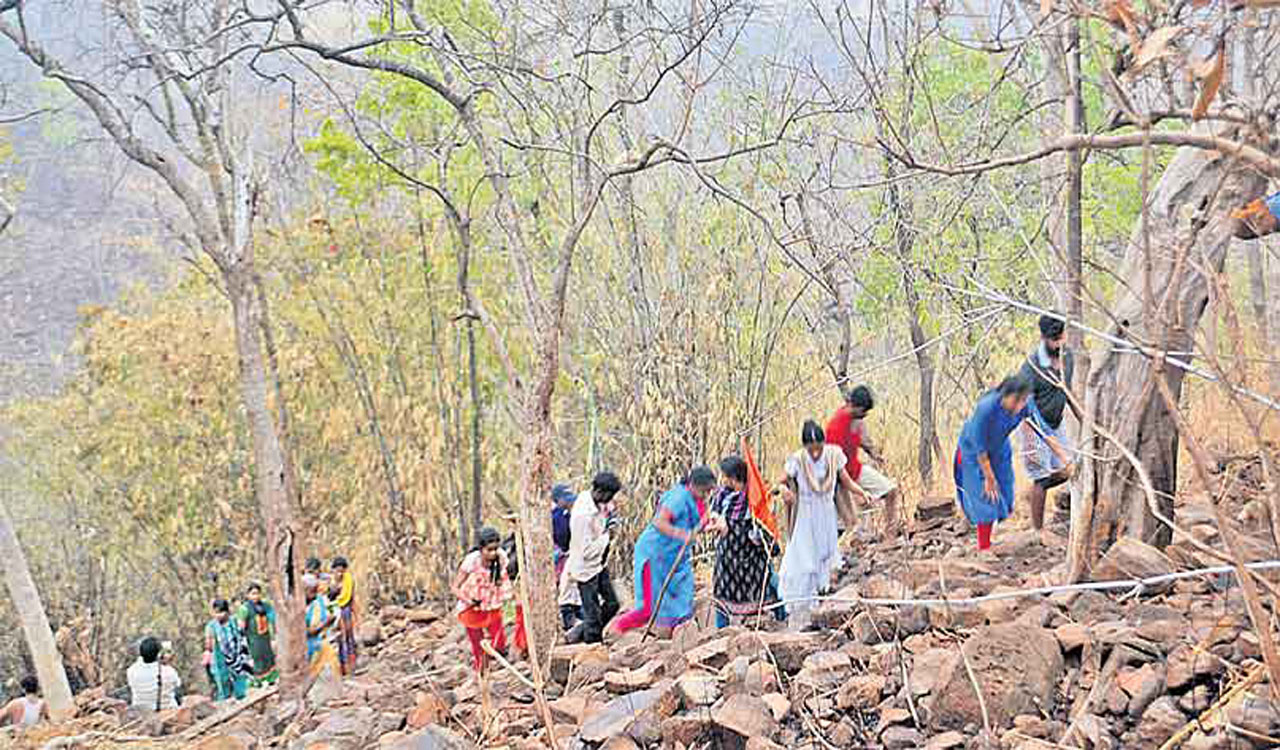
657 604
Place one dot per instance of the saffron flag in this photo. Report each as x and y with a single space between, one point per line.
758 494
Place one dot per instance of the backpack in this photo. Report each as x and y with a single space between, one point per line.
561 532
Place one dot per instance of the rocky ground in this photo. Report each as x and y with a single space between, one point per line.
1164 667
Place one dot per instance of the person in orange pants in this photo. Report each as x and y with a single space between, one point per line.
482 587
520 639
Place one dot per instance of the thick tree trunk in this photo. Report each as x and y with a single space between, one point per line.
1163 299
537 567
35 625
285 536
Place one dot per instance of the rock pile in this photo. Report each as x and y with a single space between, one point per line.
1179 663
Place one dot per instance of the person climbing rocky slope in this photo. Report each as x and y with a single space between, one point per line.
1173 665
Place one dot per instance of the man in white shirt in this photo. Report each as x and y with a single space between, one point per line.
590 522
153 686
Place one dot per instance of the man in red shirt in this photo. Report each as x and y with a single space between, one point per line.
848 430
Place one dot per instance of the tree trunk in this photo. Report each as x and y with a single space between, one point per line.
904 238
1189 232
1074 228
35 625
285 536
928 425
537 567
1073 296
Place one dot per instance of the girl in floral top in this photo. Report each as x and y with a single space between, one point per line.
482 587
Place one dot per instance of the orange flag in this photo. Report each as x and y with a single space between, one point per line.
757 493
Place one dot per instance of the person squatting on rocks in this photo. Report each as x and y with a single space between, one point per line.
847 429
745 583
482 586
28 710
812 557
662 556
587 567
1048 369
984 460
153 685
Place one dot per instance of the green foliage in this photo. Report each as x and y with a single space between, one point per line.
59 126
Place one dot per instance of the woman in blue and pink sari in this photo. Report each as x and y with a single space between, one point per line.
664 549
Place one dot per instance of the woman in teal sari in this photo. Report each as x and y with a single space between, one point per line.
257 620
226 653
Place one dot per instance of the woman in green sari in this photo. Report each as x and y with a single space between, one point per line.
257 620
225 653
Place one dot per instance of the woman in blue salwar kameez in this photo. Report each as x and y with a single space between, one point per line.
984 459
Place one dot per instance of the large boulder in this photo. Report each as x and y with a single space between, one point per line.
1160 721
1018 667
1133 558
861 692
929 667
746 716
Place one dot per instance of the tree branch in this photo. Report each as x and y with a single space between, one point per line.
1078 142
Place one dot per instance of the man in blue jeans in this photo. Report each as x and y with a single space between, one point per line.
591 522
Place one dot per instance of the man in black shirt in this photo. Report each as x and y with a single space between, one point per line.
1049 368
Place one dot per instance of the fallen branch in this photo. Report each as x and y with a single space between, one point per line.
230 713
1209 719
502 661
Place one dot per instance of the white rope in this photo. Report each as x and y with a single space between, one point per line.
1135 586
1125 346
826 387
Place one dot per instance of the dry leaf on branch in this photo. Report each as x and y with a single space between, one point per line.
1121 15
1154 47
1211 73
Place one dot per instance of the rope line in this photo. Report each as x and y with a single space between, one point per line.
1135 586
1123 346
826 387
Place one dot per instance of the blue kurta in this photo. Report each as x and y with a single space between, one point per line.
987 431
658 551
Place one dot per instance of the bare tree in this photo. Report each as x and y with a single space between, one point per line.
35 625
169 103
573 127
